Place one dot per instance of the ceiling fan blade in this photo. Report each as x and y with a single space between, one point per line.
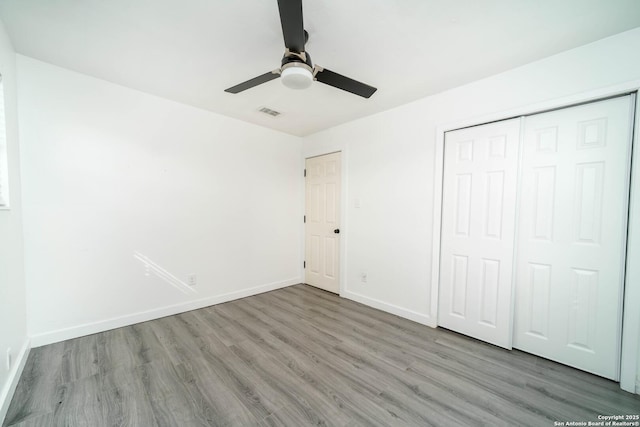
330 78
266 77
292 25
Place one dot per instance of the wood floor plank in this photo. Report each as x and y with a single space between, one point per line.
247 387
114 352
179 344
219 326
80 358
314 407
43 420
299 356
357 396
353 403
144 344
196 326
407 328
172 400
35 393
79 403
214 403
529 369
475 394
290 415
348 334
124 400
288 314
404 392
311 345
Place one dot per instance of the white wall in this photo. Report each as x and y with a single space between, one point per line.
13 320
110 172
390 165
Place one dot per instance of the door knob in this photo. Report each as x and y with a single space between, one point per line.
337 231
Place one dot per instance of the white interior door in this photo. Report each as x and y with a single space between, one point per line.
322 222
572 234
477 236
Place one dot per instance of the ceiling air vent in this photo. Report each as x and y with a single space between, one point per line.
269 111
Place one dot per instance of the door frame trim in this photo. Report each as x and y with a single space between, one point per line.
342 214
630 348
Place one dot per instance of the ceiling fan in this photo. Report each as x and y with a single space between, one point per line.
296 70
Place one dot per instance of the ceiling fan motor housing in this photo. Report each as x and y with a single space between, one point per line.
296 72
293 57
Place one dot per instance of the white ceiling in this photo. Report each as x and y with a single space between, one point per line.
190 51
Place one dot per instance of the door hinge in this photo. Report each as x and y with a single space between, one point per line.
304 264
304 219
305 173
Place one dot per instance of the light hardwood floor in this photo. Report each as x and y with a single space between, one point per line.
299 356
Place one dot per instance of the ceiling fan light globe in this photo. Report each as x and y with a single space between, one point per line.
296 77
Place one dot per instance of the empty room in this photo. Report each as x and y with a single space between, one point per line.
340 213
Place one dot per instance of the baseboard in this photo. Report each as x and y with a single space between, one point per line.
144 316
14 377
421 318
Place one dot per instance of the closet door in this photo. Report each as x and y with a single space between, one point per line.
572 234
477 236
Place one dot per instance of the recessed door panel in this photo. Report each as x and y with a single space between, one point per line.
493 204
537 291
330 261
588 202
543 199
489 293
460 280
313 256
331 215
463 204
582 312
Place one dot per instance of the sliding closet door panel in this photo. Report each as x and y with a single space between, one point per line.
478 209
572 234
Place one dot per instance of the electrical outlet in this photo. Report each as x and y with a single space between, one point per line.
363 277
192 280
8 359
